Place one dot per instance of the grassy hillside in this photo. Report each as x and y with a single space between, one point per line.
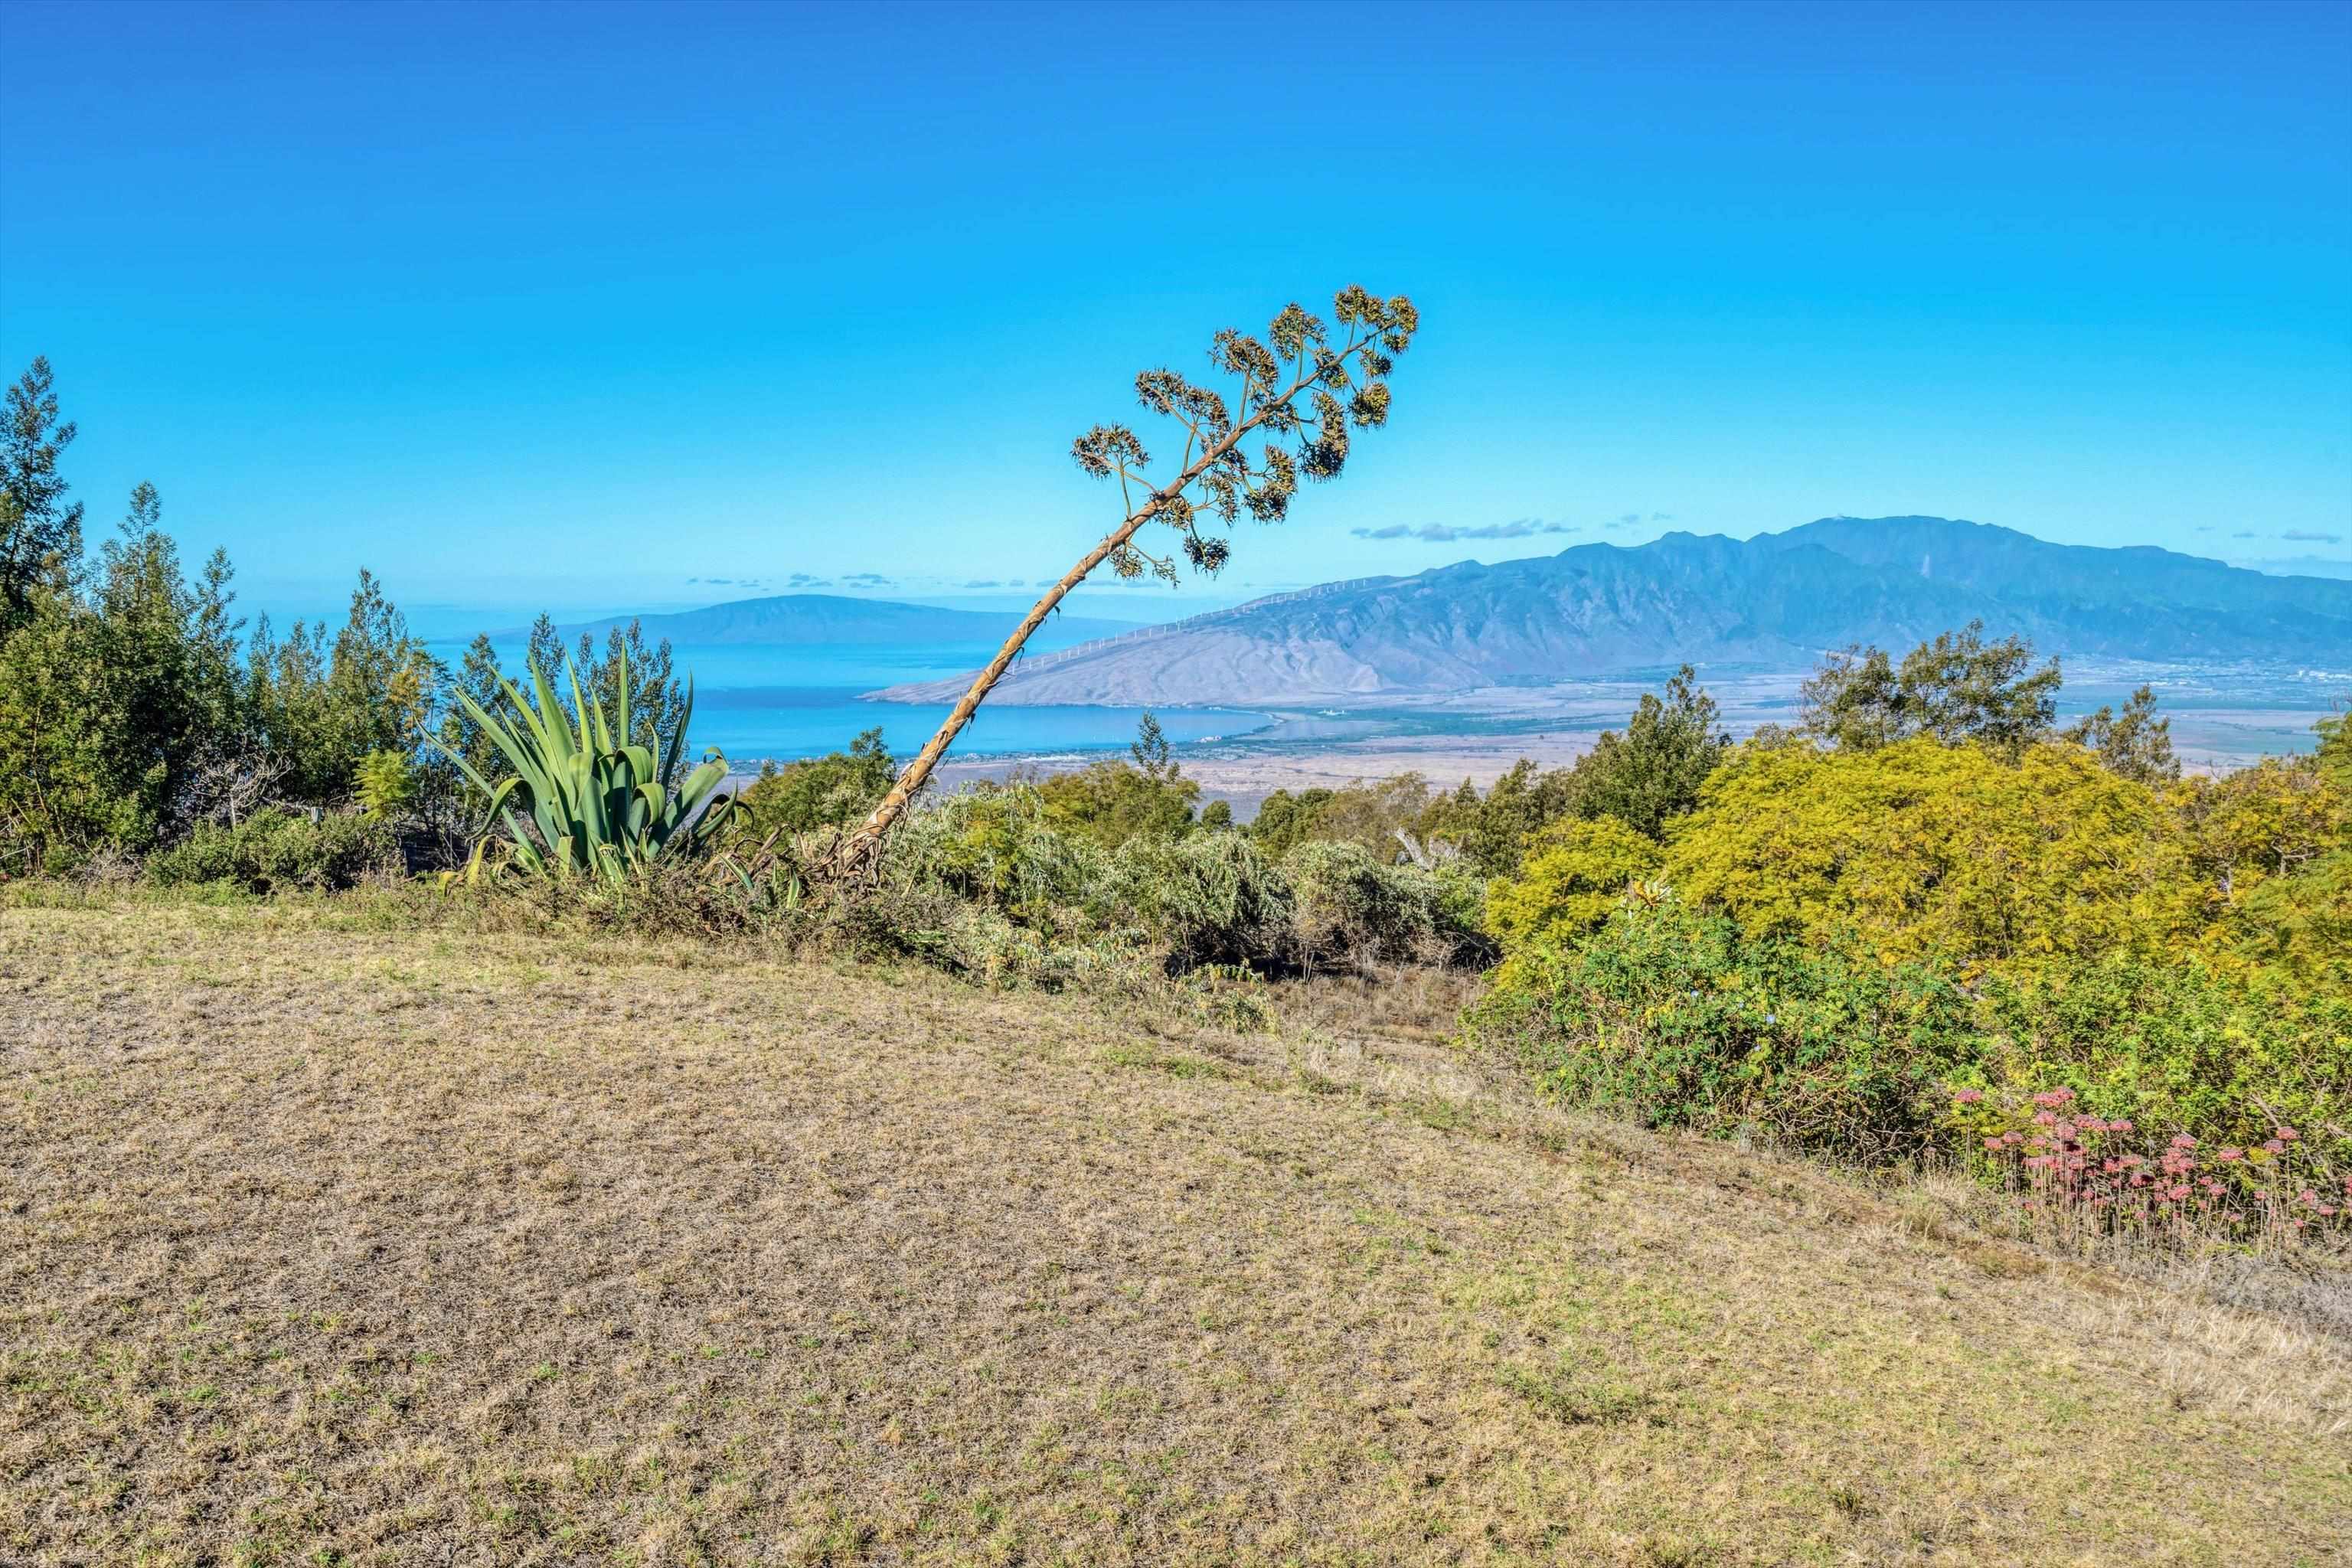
329 1244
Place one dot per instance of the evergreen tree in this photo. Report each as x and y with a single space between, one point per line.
40 532
107 702
1153 756
145 616
544 653
59 795
1652 774
320 707
2135 743
657 699
1958 688
480 678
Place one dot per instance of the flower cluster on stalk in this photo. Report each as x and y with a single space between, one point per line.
1297 387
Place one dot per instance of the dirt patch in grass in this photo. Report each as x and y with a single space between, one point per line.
357 1246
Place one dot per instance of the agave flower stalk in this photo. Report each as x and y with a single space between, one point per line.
1301 372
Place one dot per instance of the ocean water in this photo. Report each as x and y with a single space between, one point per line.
755 700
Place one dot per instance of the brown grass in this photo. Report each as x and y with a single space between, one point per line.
346 1246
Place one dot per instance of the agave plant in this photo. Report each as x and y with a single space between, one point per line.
595 806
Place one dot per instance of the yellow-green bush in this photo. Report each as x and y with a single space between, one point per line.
1838 938
1677 1017
1923 849
1575 872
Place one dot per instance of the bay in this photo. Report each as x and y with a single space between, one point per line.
755 701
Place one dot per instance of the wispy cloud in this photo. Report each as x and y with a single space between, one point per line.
803 580
1446 533
985 582
2305 536
866 580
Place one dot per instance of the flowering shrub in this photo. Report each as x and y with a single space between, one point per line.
2177 1046
1679 1017
2079 1175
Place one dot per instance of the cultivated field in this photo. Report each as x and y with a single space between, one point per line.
333 1244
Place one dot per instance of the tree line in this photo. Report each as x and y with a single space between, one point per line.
138 710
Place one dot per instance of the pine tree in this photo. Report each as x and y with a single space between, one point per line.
40 532
1153 756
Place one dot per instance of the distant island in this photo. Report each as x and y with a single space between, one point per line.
837 620
1773 602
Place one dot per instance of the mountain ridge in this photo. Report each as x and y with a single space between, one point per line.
1776 600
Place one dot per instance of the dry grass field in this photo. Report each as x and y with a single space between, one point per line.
337 1245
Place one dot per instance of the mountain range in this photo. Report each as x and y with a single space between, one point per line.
837 620
1775 600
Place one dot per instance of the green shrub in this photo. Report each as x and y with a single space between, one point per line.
276 851
1670 1015
1113 802
1673 1015
1211 899
1285 820
1351 909
993 845
1207 898
817 793
971 940
2178 1047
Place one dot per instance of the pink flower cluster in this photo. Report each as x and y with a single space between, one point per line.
2081 1169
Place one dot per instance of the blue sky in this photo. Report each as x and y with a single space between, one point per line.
612 306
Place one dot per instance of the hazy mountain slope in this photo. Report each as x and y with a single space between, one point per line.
1776 600
837 618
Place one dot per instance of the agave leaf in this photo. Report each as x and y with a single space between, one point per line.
668 764
591 714
554 729
699 784
599 802
545 718
621 706
465 767
582 712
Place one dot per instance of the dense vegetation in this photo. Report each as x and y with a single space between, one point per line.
141 722
1927 921
1930 929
